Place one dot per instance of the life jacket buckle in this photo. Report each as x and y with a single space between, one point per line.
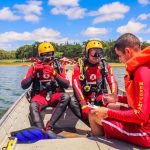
87 88
92 100
81 77
48 96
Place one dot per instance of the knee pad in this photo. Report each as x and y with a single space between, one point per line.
74 102
34 106
65 98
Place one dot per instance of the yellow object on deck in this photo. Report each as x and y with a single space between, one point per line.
11 143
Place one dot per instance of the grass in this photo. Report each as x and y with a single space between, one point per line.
19 62
14 62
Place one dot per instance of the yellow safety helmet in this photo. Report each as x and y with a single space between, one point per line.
93 44
45 47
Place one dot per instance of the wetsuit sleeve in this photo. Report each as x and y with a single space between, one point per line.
111 80
76 85
140 113
61 78
28 79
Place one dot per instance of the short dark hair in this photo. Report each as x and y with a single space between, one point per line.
127 40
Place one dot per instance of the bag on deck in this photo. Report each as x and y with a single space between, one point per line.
33 134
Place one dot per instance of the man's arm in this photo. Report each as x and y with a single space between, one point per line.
76 85
140 113
28 79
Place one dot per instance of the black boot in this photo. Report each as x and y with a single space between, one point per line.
35 115
59 110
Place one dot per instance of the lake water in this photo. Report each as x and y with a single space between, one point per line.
10 89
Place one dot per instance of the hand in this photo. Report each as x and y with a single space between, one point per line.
49 70
38 67
109 98
100 112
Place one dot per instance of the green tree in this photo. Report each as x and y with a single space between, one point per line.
144 44
109 52
25 52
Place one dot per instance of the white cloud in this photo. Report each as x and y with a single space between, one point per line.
63 2
110 12
31 18
143 16
115 7
40 34
7 14
31 11
94 32
144 2
71 13
70 8
132 26
108 17
9 40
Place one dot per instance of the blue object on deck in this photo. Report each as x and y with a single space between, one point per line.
33 134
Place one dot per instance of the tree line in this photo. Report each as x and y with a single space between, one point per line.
62 50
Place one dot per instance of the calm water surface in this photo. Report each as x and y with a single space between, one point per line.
10 89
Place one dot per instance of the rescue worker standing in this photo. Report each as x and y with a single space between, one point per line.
48 80
88 80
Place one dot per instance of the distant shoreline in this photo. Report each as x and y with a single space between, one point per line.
29 64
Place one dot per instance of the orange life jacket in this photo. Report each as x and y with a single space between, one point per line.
142 58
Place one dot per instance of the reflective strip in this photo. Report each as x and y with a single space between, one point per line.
45 80
91 82
111 72
76 85
113 90
113 84
112 79
84 106
123 131
113 87
72 72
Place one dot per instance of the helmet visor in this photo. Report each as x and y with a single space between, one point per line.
96 52
49 54
47 57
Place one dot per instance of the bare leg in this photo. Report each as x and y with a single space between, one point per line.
96 128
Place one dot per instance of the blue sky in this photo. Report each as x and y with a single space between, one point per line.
27 21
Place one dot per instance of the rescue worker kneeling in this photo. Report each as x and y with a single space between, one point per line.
48 80
88 80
